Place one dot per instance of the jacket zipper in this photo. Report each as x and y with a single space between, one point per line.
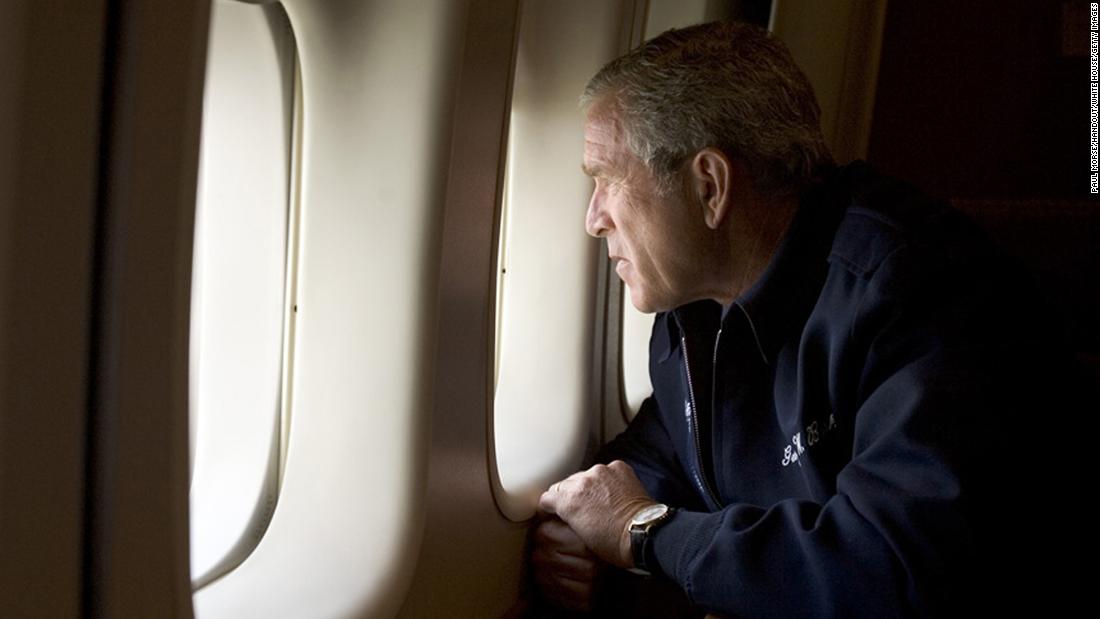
695 422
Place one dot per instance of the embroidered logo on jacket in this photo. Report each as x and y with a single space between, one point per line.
813 435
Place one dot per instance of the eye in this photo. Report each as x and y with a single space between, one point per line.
614 185
604 184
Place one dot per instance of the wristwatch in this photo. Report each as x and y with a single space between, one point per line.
642 526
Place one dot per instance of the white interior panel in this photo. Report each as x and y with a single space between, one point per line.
547 287
237 288
377 94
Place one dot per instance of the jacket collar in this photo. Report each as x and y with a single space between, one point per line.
781 300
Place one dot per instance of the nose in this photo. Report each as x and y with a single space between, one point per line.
596 221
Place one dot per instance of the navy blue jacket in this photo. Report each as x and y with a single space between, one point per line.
868 431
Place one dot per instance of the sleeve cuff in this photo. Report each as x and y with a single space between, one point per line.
677 542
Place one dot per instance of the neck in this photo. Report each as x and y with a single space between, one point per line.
754 236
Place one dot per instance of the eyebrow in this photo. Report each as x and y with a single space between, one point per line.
590 171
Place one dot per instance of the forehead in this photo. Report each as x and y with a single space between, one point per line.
604 140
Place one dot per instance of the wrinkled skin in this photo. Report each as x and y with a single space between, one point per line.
587 518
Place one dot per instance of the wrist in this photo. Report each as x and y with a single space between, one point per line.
643 525
626 546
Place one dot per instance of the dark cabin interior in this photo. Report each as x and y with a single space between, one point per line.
986 104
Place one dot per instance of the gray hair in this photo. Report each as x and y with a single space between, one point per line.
728 85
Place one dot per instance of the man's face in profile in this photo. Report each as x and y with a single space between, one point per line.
648 234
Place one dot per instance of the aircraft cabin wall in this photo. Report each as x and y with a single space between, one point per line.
323 318
49 132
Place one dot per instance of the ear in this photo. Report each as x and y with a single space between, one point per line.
712 175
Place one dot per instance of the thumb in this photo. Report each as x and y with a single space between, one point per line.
548 503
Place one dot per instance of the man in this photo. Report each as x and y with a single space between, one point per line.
847 378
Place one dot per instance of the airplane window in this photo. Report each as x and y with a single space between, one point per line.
546 299
240 285
635 359
546 276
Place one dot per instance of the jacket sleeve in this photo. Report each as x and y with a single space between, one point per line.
645 445
924 520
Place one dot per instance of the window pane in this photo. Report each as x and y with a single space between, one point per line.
546 285
239 274
636 329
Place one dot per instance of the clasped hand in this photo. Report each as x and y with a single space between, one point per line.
584 522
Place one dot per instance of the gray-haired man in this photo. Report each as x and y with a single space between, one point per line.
843 368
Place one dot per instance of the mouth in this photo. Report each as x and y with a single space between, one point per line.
620 264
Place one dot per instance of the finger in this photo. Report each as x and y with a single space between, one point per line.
619 465
556 535
565 566
568 546
548 502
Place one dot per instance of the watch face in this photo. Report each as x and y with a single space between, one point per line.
649 514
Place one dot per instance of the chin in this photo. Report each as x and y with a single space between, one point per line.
642 303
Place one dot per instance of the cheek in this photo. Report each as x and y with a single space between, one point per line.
650 246
636 248
641 237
